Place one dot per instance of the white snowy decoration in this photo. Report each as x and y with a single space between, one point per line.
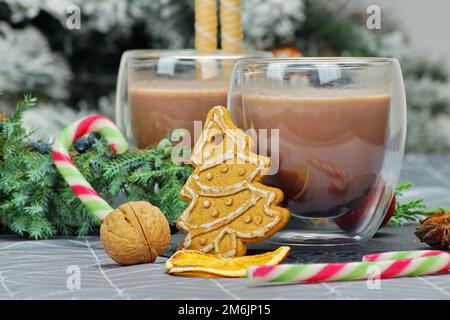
264 20
29 65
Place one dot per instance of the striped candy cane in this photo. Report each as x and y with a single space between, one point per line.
61 158
396 255
342 182
419 263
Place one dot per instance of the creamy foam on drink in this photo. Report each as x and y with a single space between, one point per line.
159 107
331 149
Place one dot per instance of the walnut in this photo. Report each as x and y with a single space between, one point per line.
136 232
435 230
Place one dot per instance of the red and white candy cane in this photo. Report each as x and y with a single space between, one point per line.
338 186
61 158
417 263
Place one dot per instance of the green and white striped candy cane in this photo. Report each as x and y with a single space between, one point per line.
410 263
70 173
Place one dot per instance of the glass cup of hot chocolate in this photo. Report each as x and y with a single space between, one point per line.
334 129
165 92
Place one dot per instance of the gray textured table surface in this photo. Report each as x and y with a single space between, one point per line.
49 269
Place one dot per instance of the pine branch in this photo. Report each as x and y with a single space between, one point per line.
36 202
411 210
23 105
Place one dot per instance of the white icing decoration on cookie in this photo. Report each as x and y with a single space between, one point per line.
206 204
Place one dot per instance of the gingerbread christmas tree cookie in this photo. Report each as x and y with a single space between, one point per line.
228 205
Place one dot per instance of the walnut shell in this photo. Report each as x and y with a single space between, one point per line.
136 232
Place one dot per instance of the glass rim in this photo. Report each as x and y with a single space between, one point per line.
193 54
324 61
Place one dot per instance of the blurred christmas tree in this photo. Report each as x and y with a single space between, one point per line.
78 67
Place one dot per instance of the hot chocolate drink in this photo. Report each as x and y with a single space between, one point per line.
331 149
159 107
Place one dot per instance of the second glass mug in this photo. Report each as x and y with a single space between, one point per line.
334 129
159 91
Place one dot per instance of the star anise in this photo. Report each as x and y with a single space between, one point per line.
435 230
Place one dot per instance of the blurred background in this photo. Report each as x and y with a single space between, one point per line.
73 72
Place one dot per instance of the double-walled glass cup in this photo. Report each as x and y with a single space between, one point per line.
160 91
334 129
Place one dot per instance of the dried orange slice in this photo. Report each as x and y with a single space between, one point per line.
194 263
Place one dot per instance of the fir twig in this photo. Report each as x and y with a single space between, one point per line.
36 202
411 210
